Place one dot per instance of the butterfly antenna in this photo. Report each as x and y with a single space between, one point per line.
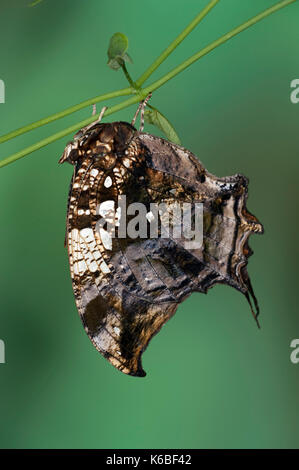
141 108
101 115
144 103
94 110
136 114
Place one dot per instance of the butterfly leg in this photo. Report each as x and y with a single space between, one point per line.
140 110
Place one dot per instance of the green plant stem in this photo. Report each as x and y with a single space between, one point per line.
176 42
65 112
218 42
145 91
72 129
128 76
123 92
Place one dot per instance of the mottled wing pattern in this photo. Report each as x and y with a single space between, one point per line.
125 288
113 298
227 223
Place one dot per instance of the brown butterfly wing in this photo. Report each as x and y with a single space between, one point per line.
119 297
227 224
126 291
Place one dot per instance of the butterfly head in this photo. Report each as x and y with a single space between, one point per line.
99 140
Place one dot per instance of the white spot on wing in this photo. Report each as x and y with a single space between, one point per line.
82 212
93 266
105 208
126 162
104 267
106 239
80 267
108 182
94 172
87 233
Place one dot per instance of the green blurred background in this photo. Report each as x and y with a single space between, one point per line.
213 379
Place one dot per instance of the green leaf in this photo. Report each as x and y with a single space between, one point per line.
153 116
117 51
128 58
114 64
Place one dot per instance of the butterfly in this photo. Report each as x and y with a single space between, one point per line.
128 286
